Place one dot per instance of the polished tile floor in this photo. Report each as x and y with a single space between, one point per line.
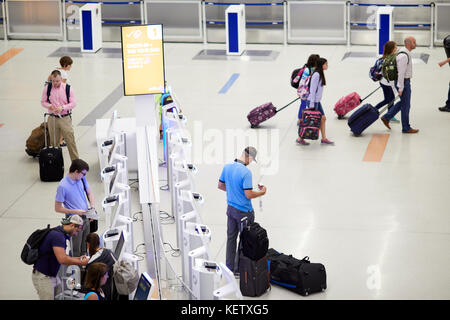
382 229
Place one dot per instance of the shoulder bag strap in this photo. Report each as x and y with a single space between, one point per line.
49 88
85 191
68 92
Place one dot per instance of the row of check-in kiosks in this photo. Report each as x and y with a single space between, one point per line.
203 278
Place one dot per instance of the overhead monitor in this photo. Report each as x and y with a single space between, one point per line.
145 288
119 245
143 59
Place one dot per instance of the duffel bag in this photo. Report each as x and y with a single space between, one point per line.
299 276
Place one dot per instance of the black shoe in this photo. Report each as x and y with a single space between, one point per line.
447 109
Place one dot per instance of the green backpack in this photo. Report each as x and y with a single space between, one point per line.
389 66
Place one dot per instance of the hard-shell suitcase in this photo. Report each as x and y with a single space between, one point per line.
51 162
349 102
264 112
254 278
300 276
363 118
309 127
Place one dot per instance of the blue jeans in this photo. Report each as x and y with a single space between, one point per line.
404 105
388 96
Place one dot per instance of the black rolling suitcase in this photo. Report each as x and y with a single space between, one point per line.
254 278
300 276
51 162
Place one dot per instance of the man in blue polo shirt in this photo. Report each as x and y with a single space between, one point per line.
52 254
236 180
71 199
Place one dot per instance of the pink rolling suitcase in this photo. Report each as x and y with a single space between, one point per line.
349 102
264 112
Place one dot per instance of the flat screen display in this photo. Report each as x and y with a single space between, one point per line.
119 245
113 180
143 59
111 150
143 289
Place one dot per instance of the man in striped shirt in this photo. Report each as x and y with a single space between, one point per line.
60 109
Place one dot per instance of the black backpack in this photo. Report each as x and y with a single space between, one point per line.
254 241
30 251
296 75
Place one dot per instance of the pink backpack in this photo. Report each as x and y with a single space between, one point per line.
303 87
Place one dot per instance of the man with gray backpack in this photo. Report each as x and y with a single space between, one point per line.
398 68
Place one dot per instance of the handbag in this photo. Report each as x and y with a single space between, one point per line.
93 225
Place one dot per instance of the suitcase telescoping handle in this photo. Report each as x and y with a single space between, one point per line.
388 105
361 100
244 224
287 104
45 129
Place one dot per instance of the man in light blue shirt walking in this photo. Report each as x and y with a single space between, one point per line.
236 180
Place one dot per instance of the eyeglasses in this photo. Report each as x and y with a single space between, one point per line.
84 172
78 226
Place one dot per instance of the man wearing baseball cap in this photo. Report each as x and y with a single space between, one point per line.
52 254
236 180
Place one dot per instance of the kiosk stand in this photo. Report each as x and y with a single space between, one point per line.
235 29
385 27
91 27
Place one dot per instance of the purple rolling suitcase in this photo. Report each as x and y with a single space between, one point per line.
264 112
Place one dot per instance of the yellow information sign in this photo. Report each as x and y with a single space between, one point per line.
143 59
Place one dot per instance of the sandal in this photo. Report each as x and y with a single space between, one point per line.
302 142
326 141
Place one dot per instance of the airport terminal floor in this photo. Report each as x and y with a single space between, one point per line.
375 214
